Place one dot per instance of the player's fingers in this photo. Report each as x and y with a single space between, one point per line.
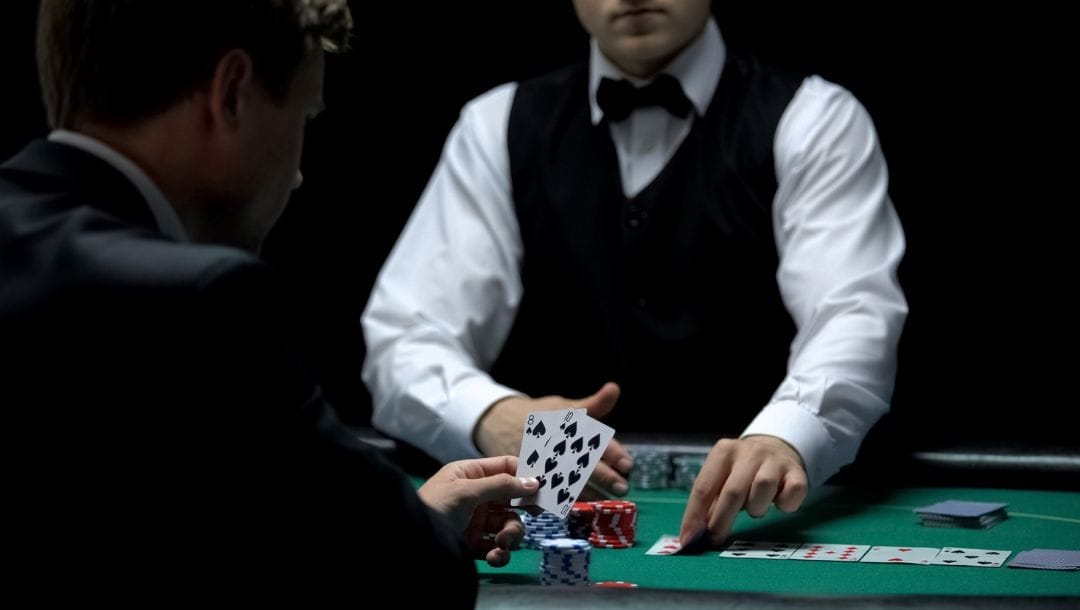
509 537
618 457
491 466
511 533
793 489
729 502
710 479
763 489
501 520
607 478
603 401
500 487
497 557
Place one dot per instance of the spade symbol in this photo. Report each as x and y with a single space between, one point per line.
531 461
563 496
583 461
539 430
570 430
550 464
573 477
556 480
577 445
560 448
542 479
594 442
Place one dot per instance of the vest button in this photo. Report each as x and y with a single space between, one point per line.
634 223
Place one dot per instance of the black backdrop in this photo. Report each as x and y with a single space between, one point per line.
973 118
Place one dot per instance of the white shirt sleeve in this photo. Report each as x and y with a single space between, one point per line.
445 300
840 242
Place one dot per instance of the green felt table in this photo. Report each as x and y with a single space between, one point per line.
1037 519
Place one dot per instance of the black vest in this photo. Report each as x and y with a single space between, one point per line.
671 293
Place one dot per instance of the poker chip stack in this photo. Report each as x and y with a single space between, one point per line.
652 469
614 524
543 527
686 469
580 520
959 513
565 562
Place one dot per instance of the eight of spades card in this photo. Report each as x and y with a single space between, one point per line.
536 441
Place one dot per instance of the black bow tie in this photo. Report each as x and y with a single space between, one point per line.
619 98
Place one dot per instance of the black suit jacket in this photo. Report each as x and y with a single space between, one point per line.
157 409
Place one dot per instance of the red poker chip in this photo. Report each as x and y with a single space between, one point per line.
617 520
615 584
614 505
611 545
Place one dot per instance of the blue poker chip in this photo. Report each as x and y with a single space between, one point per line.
566 544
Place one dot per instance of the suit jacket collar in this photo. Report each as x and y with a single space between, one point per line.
90 179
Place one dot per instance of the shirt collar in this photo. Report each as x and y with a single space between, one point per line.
165 216
697 68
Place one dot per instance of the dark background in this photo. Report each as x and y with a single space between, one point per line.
973 117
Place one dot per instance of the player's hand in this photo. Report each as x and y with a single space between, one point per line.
475 495
750 473
499 431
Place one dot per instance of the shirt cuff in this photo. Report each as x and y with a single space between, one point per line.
803 431
469 400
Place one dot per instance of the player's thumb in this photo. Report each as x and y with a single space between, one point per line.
503 486
603 401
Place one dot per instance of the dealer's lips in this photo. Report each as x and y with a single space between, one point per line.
637 12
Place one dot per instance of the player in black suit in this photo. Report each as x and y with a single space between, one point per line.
157 408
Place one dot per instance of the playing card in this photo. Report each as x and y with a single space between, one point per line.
574 450
980 558
983 522
900 554
1047 559
753 549
536 438
960 508
961 513
537 435
813 551
666 545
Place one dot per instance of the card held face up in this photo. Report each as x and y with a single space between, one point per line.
560 449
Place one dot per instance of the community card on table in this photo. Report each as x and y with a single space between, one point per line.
665 545
758 549
561 449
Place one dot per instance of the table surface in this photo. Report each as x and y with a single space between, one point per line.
844 515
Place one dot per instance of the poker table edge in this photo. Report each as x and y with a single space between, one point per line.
519 597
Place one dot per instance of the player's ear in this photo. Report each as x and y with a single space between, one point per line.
231 87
